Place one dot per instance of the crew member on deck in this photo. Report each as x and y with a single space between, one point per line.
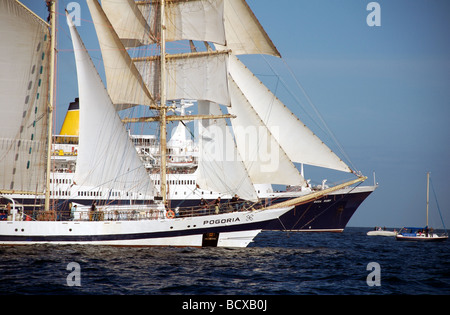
234 202
93 214
203 206
217 205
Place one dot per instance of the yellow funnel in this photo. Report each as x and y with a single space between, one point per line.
71 124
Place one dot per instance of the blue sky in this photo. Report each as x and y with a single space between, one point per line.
383 91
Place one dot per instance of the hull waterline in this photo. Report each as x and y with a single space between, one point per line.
421 238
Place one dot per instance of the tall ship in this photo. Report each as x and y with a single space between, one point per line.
95 183
329 213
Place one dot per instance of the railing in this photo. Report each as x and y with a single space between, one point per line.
127 213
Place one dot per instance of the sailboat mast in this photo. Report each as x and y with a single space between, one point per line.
428 194
50 100
163 107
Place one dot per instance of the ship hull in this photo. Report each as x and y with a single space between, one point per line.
222 230
328 214
421 239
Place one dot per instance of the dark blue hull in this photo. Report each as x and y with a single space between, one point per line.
328 214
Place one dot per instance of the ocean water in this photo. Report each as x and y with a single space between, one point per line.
277 263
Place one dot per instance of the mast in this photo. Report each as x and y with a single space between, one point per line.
163 107
428 194
50 101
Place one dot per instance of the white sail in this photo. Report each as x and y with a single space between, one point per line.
298 141
220 167
201 76
125 85
263 157
200 20
230 24
24 59
128 22
244 33
106 155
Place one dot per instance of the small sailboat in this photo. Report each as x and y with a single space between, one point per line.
425 234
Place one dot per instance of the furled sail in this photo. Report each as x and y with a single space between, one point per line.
220 167
125 85
24 60
298 141
106 155
263 157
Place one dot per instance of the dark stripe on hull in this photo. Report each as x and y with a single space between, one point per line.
137 236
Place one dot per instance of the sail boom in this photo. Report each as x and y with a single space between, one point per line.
177 118
183 56
317 195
